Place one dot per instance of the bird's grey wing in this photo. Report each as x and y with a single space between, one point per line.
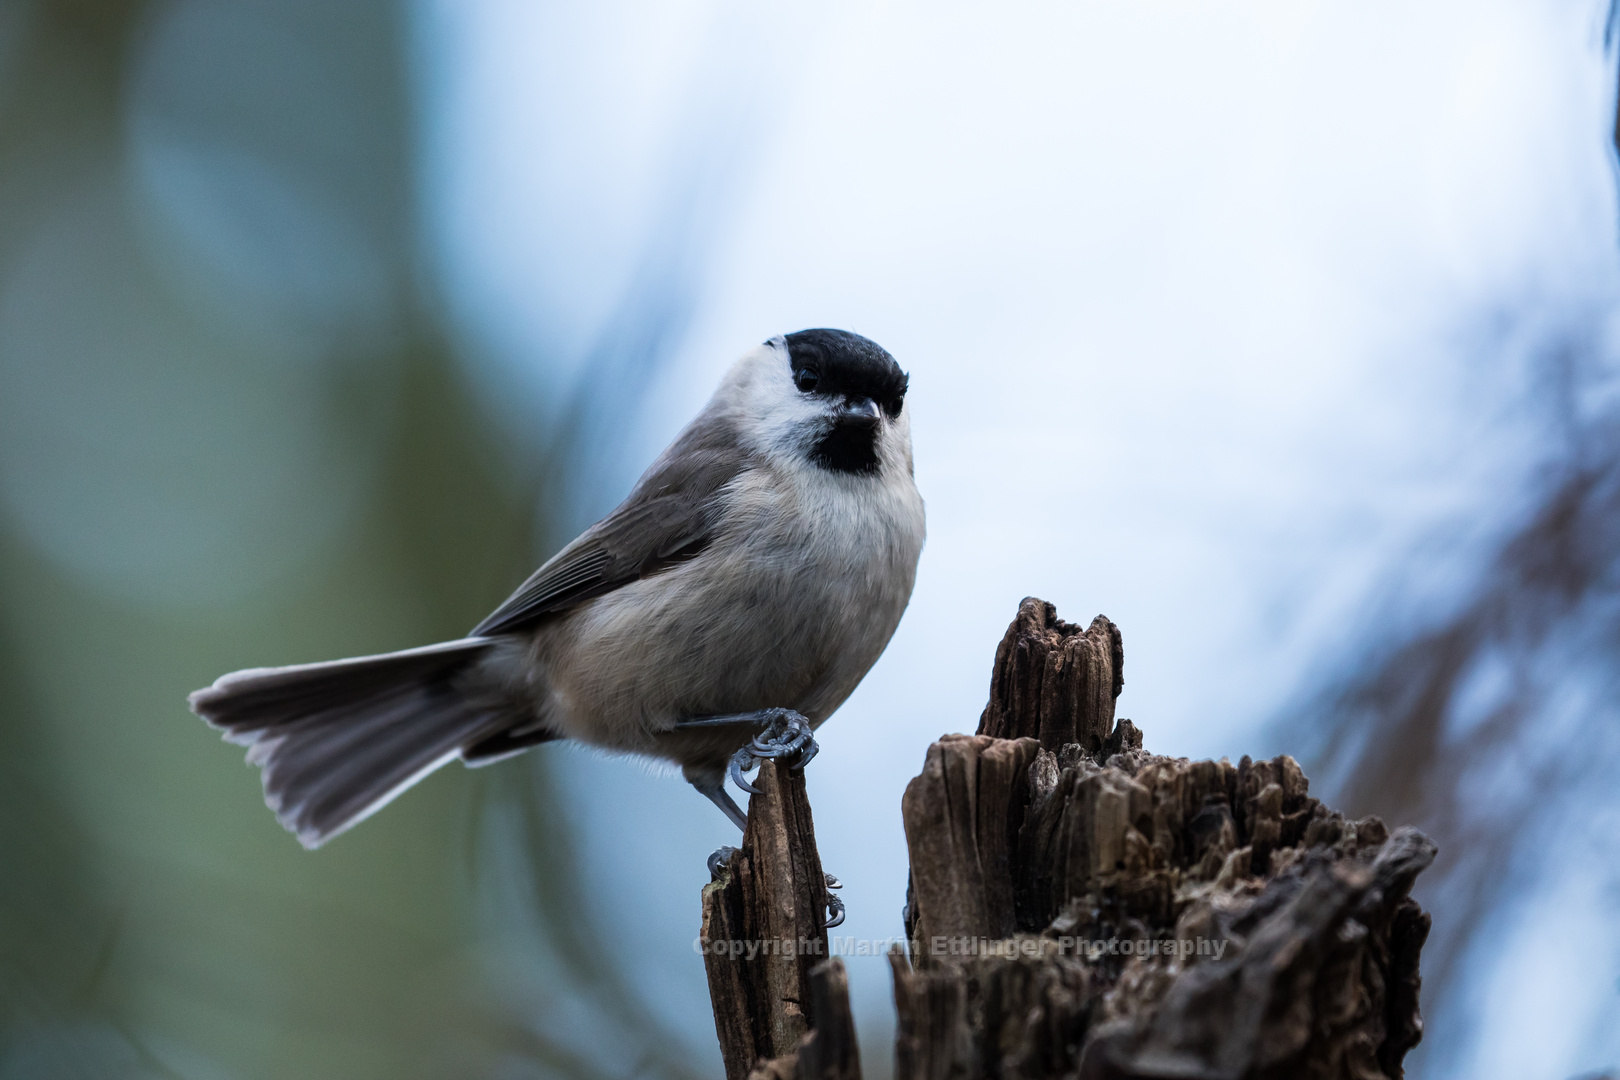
669 516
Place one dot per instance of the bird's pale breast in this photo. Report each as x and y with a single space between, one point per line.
789 607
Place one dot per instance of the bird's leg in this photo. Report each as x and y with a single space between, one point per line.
785 734
716 793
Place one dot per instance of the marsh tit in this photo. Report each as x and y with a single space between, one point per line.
722 612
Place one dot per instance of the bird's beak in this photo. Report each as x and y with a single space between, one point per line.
859 410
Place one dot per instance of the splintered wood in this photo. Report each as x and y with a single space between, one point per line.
781 1003
1082 908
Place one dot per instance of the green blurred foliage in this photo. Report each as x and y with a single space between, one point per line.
231 434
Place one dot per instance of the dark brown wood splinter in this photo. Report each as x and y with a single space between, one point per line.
781 1004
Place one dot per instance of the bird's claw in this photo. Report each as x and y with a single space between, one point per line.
787 735
739 761
835 906
718 859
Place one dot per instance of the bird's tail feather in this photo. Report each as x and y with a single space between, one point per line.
338 741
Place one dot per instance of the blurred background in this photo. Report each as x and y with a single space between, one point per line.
1285 334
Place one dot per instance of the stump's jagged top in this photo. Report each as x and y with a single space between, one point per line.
1053 681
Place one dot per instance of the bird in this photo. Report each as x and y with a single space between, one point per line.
716 618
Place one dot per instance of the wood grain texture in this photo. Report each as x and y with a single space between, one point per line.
1054 884
830 1051
1054 682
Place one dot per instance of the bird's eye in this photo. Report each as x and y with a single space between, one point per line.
892 406
805 379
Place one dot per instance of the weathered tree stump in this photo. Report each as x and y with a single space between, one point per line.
781 1003
1082 908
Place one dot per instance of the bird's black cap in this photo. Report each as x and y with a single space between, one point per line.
850 365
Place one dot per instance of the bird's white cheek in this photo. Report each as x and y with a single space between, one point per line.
895 446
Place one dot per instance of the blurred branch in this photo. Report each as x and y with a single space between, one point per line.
1491 725
256 162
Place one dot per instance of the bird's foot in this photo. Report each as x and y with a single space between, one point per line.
787 735
835 906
